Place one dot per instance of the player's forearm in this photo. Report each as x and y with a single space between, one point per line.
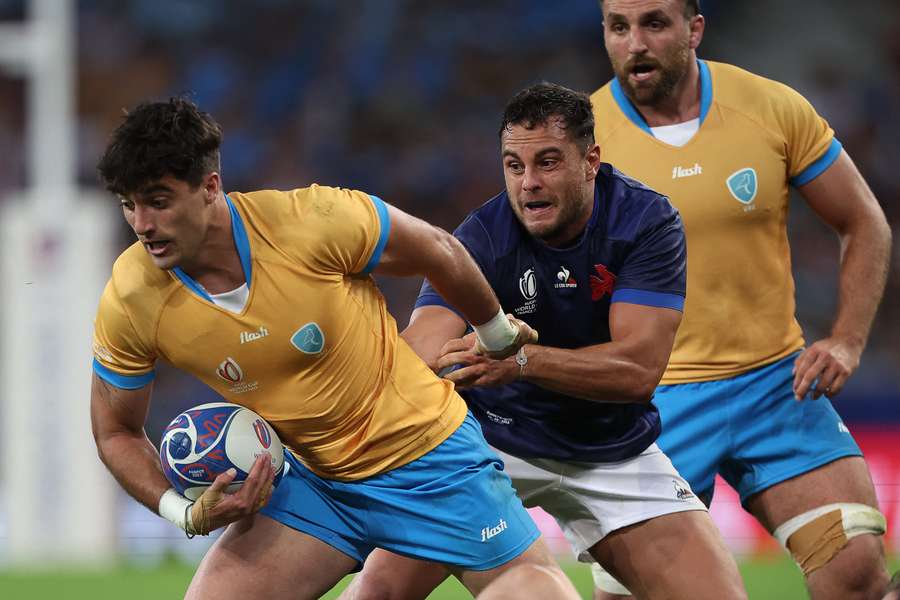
865 258
134 462
460 282
609 372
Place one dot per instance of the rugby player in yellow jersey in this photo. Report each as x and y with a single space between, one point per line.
743 395
381 452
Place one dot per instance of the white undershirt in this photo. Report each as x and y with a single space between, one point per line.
678 134
233 300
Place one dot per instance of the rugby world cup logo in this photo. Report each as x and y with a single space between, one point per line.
528 284
230 371
262 432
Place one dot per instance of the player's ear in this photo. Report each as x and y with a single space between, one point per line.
697 26
592 162
211 185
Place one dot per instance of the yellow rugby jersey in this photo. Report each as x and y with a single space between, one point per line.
314 351
730 183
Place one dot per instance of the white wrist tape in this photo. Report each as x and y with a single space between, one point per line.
496 334
175 508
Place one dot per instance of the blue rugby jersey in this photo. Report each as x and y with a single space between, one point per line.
632 250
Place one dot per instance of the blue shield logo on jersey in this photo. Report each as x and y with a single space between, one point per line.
742 185
309 339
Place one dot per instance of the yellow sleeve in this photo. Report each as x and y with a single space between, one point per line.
811 145
346 230
121 356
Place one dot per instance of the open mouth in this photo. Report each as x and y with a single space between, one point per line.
642 72
537 206
156 248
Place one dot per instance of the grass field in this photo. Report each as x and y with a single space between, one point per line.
775 579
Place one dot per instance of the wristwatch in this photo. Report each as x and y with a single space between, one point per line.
522 361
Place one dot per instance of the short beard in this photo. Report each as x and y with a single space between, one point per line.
553 235
670 75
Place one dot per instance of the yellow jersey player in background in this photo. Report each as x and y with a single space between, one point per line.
266 296
742 395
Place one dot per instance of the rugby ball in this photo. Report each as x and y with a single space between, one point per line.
209 439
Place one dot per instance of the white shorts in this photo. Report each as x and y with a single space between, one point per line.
591 500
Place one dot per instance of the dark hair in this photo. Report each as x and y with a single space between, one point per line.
691 8
158 139
536 104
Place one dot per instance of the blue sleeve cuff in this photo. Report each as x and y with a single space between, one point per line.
818 167
384 217
645 298
432 299
125 382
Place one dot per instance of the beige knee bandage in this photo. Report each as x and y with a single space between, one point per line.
816 536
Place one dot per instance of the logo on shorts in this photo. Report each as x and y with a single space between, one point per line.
489 532
842 428
681 492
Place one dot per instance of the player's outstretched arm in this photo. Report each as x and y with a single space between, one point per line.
415 247
626 369
844 201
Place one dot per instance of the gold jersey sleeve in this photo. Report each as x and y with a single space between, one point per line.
731 184
314 351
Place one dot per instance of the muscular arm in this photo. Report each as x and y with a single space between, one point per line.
626 369
841 198
417 248
430 327
117 420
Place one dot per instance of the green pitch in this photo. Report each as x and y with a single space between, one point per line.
775 578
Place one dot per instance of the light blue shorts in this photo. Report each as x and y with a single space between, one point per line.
749 429
454 505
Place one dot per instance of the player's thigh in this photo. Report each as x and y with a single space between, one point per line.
536 554
678 555
389 576
843 480
858 564
530 582
259 557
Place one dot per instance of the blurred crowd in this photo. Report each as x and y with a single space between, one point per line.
403 99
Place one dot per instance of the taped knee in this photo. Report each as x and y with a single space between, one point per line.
815 537
606 582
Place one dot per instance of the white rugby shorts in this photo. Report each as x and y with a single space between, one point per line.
591 500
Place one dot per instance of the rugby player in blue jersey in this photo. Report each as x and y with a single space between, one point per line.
596 262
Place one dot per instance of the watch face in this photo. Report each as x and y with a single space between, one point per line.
521 359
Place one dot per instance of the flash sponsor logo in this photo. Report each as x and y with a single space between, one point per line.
489 532
251 336
679 172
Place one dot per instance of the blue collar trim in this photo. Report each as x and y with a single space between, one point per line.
241 242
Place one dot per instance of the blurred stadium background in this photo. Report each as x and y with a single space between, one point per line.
395 97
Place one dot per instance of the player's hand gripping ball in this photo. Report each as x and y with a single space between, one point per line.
209 439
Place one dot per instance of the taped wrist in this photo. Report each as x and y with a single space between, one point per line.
176 509
496 334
